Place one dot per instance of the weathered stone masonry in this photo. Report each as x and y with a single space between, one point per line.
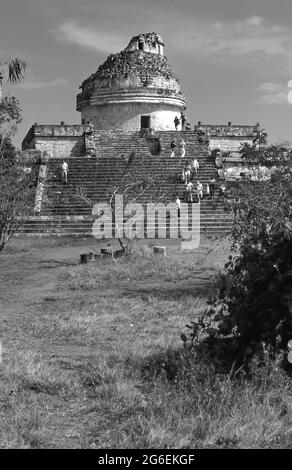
127 107
60 141
133 83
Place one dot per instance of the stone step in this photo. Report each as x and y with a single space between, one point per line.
99 175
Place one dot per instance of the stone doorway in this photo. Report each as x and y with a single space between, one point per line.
145 122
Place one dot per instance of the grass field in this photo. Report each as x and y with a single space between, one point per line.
92 356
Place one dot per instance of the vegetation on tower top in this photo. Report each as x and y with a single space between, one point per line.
121 66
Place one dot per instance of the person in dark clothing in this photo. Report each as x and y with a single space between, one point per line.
212 187
187 172
183 120
131 159
176 122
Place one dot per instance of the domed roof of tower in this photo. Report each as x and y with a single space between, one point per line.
140 64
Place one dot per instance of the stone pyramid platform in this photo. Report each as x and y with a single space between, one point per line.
96 165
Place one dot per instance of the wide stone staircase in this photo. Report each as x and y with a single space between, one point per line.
94 176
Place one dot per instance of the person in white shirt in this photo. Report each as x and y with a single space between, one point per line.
195 166
189 189
177 201
182 147
65 171
172 148
199 191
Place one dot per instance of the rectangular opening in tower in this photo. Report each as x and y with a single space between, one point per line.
145 122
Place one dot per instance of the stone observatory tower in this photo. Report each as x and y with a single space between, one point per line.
132 90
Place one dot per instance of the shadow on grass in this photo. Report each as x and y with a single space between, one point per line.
52 264
169 291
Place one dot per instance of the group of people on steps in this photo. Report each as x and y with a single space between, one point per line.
189 172
182 148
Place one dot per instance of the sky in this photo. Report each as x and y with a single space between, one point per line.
233 58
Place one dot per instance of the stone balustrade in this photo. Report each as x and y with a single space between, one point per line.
233 130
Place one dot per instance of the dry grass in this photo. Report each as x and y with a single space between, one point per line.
92 358
178 267
173 405
30 389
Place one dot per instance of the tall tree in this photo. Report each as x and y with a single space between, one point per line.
17 178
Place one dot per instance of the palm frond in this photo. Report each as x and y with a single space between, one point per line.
16 69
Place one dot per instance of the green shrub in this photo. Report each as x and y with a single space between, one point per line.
253 303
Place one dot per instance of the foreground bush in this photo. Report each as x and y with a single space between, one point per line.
253 305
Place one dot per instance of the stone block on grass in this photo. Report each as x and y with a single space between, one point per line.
159 250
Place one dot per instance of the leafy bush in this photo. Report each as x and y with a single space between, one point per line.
17 190
253 304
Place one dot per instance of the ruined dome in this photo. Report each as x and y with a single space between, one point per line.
128 69
138 74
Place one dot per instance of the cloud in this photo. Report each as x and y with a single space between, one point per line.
37 85
253 36
84 36
254 21
273 93
199 38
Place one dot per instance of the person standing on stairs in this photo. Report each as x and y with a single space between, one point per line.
182 120
176 122
187 172
131 159
222 189
65 171
189 191
208 190
212 187
199 191
172 148
177 201
182 147
183 176
195 166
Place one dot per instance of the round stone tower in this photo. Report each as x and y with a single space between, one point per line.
132 90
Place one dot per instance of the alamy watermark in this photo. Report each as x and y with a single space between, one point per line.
151 220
